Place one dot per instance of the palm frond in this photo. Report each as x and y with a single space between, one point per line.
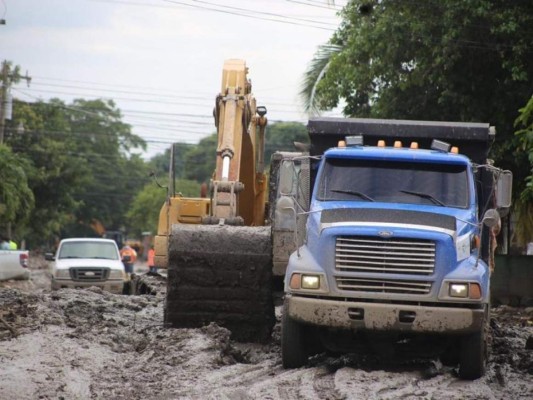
314 73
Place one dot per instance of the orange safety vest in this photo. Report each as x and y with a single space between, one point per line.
128 251
151 257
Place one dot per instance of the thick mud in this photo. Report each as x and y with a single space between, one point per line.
89 344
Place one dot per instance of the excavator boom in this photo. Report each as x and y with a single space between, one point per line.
220 270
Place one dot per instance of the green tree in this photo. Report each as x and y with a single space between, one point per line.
55 172
280 136
104 142
16 198
160 163
524 204
82 165
143 214
200 160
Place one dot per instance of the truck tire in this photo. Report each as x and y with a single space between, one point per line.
293 350
474 353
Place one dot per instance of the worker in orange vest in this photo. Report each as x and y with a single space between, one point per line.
151 260
129 256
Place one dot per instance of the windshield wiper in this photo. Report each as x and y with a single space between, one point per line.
360 194
425 196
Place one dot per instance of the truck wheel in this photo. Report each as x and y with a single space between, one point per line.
293 351
474 351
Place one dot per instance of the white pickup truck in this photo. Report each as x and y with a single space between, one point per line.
85 262
14 264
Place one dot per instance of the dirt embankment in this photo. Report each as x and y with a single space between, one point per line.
88 344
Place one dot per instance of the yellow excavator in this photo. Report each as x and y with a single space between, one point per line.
218 249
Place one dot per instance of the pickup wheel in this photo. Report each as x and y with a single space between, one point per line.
293 349
474 353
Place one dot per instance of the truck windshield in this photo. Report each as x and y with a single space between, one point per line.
88 250
394 182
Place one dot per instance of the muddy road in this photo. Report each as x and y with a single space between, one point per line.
88 344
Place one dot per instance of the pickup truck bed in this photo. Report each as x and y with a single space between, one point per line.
14 264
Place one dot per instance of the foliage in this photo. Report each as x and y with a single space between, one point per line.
81 169
524 204
160 163
438 60
16 198
143 215
200 160
280 136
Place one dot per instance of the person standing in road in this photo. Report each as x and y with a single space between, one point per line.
4 243
151 260
129 256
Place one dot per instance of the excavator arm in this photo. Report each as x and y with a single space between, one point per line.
220 270
239 184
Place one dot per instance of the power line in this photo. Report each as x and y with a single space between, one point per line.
246 15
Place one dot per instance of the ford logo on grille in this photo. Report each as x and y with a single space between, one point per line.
89 273
385 234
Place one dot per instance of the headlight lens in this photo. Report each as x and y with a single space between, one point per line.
62 273
458 289
310 281
116 274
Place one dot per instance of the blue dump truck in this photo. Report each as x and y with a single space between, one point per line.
398 243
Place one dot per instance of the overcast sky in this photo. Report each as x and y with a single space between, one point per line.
161 60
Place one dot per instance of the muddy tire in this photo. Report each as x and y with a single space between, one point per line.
293 346
473 354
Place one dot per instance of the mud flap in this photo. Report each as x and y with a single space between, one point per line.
221 274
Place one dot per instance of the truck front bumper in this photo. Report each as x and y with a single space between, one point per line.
385 316
113 286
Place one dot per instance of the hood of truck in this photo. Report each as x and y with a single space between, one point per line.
66 263
453 221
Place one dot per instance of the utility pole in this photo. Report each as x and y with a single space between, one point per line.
7 78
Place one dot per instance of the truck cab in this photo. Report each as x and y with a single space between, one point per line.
393 247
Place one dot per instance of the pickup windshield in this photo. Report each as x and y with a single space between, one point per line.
88 250
394 182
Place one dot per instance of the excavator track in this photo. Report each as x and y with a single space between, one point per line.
222 274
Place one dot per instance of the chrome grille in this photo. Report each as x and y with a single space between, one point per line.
383 286
89 274
393 256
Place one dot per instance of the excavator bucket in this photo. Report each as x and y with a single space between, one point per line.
222 274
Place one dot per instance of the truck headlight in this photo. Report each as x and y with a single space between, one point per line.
458 290
62 273
304 281
116 274
310 281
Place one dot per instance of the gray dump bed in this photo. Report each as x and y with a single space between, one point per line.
473 139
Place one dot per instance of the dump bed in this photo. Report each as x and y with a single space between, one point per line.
473 139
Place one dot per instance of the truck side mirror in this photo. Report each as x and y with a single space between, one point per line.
49 256
491 218
504 189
